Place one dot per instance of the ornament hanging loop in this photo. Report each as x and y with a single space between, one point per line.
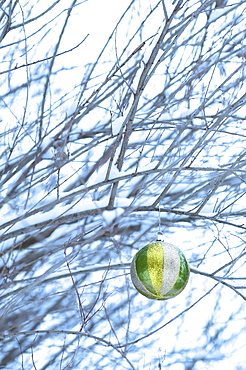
160 237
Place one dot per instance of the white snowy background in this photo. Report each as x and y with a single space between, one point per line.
120 119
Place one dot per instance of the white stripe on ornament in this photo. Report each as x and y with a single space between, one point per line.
171 267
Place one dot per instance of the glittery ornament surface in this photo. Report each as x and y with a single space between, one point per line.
159 270
155 259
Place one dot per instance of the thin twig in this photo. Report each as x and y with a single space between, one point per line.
45 59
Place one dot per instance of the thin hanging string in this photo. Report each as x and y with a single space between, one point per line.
160 236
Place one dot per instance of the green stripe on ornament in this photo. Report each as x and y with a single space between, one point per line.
143 272
139 273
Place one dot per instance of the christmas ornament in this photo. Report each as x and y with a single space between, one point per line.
159 270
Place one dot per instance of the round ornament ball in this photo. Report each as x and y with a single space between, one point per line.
159 271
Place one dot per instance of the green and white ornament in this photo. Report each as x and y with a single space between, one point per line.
159 270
